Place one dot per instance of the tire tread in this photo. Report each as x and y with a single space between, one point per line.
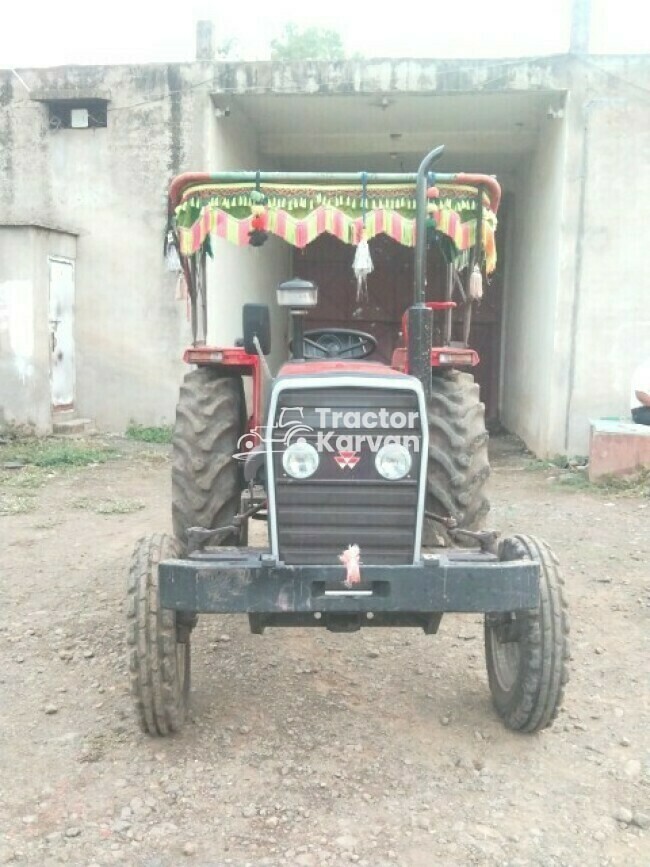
206 481
458 467
155 682
536 699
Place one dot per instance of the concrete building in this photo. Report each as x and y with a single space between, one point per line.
86 155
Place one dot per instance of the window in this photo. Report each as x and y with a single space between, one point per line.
77 113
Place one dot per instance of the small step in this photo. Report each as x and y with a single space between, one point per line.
71 426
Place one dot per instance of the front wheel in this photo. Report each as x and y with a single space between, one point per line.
158 642
527 652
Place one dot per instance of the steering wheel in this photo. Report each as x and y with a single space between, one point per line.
338 343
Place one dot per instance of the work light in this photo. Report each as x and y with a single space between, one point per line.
297 294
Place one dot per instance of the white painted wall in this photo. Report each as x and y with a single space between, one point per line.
575 335
17 327
25 393
239 275
613 305
532 292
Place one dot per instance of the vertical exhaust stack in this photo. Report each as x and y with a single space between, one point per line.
421 317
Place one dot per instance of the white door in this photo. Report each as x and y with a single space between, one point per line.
62 366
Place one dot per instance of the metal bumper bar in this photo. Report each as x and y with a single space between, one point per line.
222 580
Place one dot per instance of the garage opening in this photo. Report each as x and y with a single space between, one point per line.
517 136
379 309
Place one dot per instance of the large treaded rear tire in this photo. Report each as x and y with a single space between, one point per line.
206 480
159 663
458 467
527 652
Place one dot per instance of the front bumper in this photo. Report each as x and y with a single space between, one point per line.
231 580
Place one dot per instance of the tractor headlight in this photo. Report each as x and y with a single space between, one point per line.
300 459
393 461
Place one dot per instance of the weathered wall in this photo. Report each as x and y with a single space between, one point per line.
109 184
612 322
575 317
25 396
576 310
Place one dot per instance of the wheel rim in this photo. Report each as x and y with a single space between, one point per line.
506 658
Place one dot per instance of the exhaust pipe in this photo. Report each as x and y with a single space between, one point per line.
420 328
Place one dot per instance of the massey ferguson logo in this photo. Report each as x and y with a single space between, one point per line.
347 459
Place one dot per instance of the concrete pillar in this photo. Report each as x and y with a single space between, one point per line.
580 26
205 40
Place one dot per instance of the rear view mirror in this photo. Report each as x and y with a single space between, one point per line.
257 323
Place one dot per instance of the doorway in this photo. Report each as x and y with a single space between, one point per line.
61 330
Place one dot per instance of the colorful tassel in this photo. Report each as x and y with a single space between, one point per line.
258 234
351 559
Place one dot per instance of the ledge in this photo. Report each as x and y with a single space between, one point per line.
617 448
70 94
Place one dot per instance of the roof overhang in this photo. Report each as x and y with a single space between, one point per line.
328 116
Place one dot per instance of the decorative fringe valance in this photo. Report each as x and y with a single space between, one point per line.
299 214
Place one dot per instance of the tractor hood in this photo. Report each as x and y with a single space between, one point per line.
337 366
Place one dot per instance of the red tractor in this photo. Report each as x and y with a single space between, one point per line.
371 477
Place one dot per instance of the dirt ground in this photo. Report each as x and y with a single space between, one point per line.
306 748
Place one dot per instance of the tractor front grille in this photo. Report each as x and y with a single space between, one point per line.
346 501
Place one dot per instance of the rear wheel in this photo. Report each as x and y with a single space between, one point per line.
527 652
206 480
458 467
158 642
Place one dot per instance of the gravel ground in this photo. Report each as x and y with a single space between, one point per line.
305 748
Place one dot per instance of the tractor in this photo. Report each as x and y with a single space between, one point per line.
370 476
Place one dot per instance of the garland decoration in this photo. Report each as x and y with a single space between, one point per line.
247 213
258 233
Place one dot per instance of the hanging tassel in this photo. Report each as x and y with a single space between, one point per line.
362 266
476 284
351 559
171 254
258 234
181 287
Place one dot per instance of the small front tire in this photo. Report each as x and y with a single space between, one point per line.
527 652
158 642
